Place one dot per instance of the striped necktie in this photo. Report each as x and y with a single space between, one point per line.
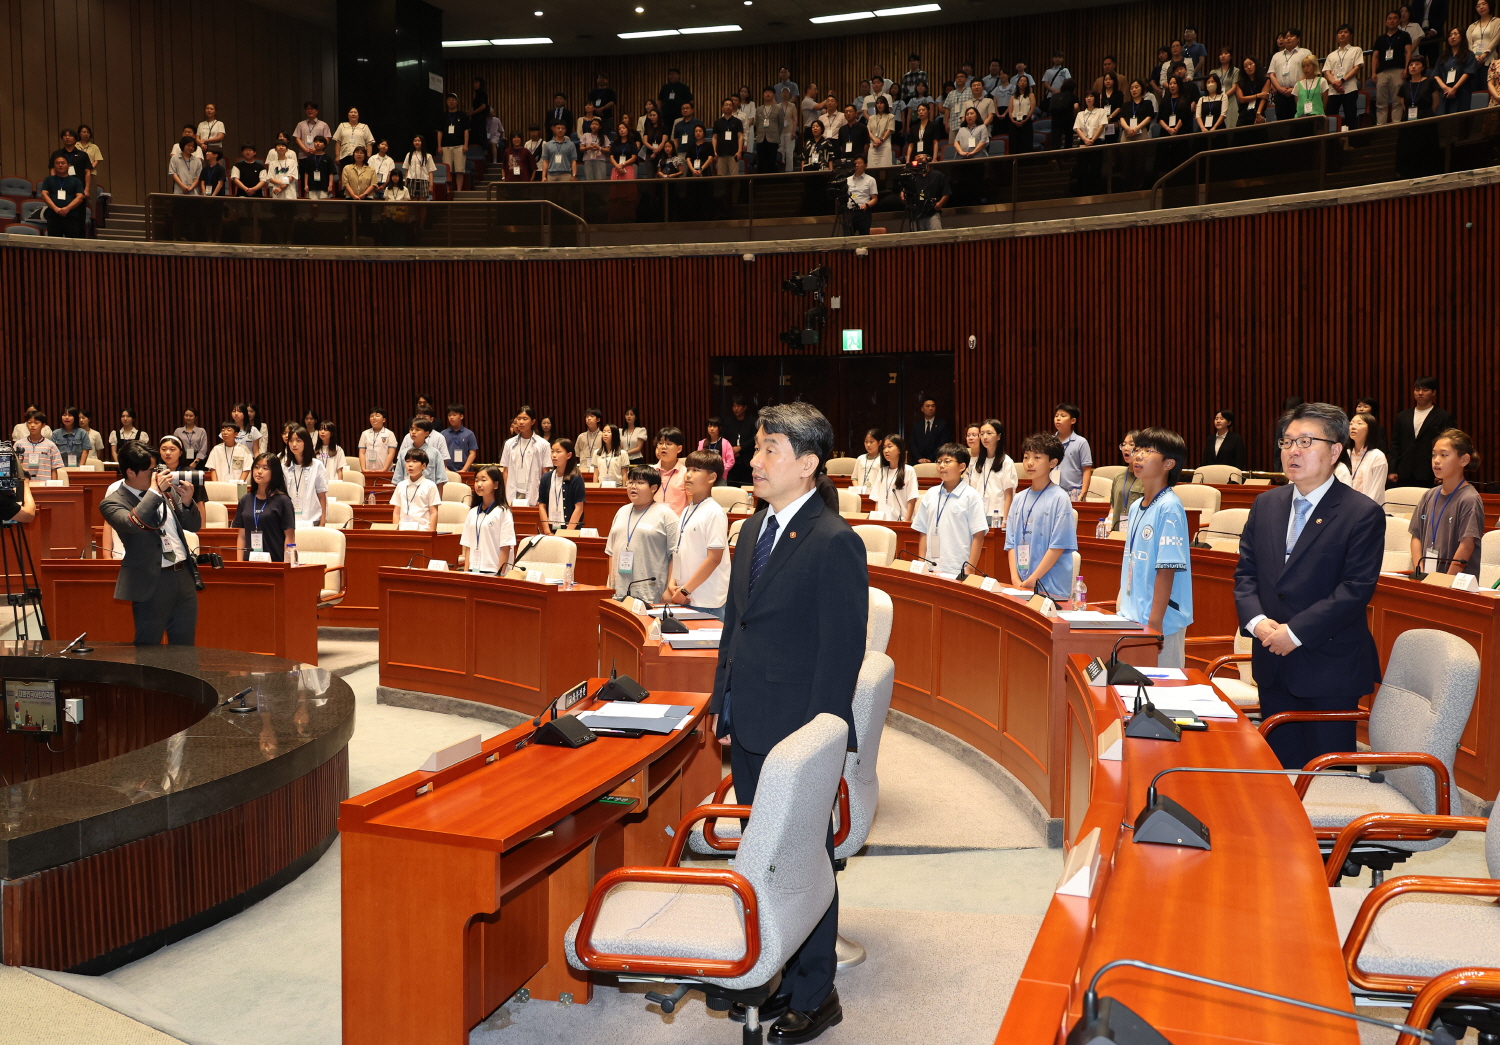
763 546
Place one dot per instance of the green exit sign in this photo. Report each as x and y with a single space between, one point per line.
854 341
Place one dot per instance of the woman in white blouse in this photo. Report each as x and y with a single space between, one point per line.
1090 123
420 168
867 464
894 490
880 126
633 436
1368 467
1483 33
611 462
281 172
992 473
306 479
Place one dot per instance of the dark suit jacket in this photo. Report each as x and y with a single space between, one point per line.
1321 592
793 648
140 570
921 445
1411 452
1231 453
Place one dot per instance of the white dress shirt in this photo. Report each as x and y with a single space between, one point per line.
1291 521
785 517
173 546
1418 419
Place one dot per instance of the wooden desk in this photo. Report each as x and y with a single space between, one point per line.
599 508
94 486
60 529
455 898
511 644
624 646
989 670
365 552
1253 910
256 607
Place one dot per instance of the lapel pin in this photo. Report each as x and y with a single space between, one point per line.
1318 521
794 535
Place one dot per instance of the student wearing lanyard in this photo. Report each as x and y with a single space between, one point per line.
1124 489
957 546
670 442
174 458
895 489
611 462
560 498
71 441
39 455
1041 534
377 444
867 465
329 450
1156 579
462 445
414 502
489 533
641 538
265 514
700 564
588 439
229 461
524 459
1078 460
1449 521
194 439
306 480
993 474
1136 114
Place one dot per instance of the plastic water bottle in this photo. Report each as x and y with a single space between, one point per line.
568 575
1080 592
995 519
370 497
291 553
1102 530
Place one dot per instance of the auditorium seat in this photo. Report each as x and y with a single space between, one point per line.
1418 716
1204 498
999 146
1397 558
459 492
450 517
1218 474
732 498
8 210
926 470
839 466
340 515
347 492
1098 490
223 492
546 548
878 625
1109 471
324 545
191 540
1241 690
642 920
215 514
22 230
849 502
734 531
1489 558
352 474
880 543
1403 500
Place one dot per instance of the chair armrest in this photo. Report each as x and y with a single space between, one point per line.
1424 824
1364 921
1234 658
709 813
654 964
1382 758
843 802
723 789
725 845
1360 715
1469 982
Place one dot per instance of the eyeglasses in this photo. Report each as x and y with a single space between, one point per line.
1127 446
1145 451
1305 442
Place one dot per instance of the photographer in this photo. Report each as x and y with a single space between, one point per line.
149 514
924 191
861 198
17 506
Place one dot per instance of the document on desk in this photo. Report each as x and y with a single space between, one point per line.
698 638
1203 701
1096 619
1164 674
683 613
652 718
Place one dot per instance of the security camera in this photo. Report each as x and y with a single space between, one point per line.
747 258
973 342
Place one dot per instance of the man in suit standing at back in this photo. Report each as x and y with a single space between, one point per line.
1310 555
1415 432
930 433
158 575
794 640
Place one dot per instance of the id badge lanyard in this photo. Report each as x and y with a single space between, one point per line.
1023 546
1435 521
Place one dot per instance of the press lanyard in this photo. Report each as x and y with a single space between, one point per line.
1438 519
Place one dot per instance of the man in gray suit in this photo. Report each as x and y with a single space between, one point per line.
158 575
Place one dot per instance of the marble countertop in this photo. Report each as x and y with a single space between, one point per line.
304 716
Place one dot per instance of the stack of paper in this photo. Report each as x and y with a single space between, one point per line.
698 638
1203 701
623 714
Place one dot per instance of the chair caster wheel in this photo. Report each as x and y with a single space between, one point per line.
849 953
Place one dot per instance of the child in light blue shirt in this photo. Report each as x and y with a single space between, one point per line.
1040 535
1156 579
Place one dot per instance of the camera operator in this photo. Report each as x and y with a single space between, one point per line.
861 199
17 507
149 514
924 191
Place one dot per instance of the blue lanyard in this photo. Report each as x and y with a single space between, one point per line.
630 530
1434 523
943 498
1026 520
256 512
683 528
1135 525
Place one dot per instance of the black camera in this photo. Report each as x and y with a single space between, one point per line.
11 475
191 476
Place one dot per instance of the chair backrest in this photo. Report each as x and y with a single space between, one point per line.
782 852
1218 474
872 700
1205 498
547 549
323 545
346 492
7 210
1109 471
22 230
1098 488
880 543
450 517
31 208
878 624
15 187
849 502
926 470
732 498
215 514
1489 548
734 532
1226 524
191 539
1398 536
224 493
352 474
840 466
1403 500
339 515
458 492
1243 644
1423 704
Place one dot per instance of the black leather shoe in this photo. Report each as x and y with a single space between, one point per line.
772 1009
796 1027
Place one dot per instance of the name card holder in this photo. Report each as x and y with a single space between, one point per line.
1097 672
1043 605
1081 867
451 755
1112 743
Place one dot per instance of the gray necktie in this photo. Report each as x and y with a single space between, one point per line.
1302 506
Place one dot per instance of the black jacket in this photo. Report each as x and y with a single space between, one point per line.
792 648
924 446
1231 453
1411 451
573 493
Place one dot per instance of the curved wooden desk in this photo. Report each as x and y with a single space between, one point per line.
625 645
167 812
1253 910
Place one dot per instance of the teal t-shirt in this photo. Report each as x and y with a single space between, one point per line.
1156 538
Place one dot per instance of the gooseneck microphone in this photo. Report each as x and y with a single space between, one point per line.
1127 674
632 584
1165 822
241 707
977 571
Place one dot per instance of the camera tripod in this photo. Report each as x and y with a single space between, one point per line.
15 546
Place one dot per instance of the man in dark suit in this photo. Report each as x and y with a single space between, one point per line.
1310 555
158 575
794 639
1415 431
929 433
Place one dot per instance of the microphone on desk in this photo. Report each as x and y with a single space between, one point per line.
670 625
1165 822
632 584
923 558
1199 542
970 565
1109 1020
411 560
241 707
1121 674
70 647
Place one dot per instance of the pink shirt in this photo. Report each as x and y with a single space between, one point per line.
672 492
725 451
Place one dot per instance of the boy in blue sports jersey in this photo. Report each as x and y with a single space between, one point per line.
1040 535
1156 578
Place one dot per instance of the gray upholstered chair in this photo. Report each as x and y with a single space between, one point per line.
727 932
1416 721
878 626
872 700
1400 935
880 543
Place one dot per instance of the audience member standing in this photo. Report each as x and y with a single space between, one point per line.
309 130
350 135
1342 71
641 538
1391 51
63 195
672 96
148 514
1284 71
1457 74
185 169
210 130
524 458
1447 525
1368 466
929 432
1156 578
1225 446
420 168
1413 434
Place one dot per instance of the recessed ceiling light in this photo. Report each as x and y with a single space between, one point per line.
537 13
647 33
466 43
518 40
850 17
711 29
640 10
890 12
749 3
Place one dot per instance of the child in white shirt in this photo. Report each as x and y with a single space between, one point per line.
414 504
377 444
490 529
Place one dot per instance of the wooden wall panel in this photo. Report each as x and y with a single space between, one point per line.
117 719
1251 312
137 70
522 88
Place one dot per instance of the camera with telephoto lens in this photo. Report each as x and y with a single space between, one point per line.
10 470
191 476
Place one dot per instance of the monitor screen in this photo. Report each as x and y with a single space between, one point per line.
32 706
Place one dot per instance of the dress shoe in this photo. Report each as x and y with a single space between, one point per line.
796 1027
771 1009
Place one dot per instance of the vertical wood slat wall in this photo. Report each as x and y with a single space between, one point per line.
522 88
1255 312
136 71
